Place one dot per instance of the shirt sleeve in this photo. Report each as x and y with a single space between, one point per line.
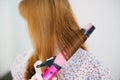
18 67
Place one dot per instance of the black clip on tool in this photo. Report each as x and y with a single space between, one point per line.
48 62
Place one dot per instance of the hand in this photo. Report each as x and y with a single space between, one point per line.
37 75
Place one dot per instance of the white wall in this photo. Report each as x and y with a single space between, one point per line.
103 43
13 34
5 36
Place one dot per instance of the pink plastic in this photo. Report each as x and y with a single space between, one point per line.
49 73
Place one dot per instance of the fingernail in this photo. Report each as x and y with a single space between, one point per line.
38 66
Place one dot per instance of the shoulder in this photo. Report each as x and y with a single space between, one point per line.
96 69
18 66
84 65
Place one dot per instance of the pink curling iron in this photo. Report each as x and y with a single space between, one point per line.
53 66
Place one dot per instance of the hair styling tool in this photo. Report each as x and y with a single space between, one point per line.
55 63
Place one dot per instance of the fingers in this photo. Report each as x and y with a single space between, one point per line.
33 78
37 76
38 73
37 70
55 78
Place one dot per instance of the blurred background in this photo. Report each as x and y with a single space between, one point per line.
103 43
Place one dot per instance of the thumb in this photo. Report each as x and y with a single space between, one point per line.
37 70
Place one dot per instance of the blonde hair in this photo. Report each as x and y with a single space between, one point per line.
51 25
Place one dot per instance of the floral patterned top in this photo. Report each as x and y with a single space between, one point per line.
81 66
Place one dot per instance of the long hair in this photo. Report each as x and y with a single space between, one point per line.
51 26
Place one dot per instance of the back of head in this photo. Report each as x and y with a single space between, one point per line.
50 23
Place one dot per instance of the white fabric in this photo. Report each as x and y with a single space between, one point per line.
81 66
18 67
